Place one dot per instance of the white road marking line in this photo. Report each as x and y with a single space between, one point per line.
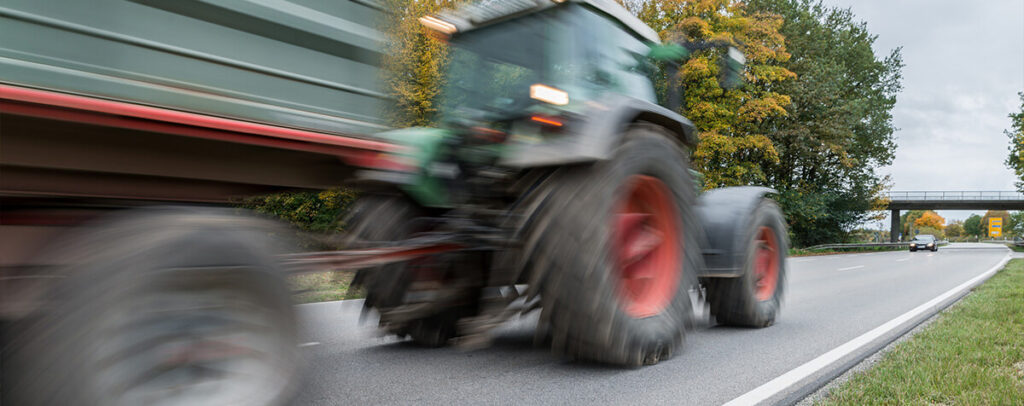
309 344
850 268
795 375
904 259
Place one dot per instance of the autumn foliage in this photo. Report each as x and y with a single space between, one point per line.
930 219
733 149
415 63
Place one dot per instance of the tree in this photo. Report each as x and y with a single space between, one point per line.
955 228
838 128
930 219
734 149
414 64
907 222
1015 227
972 225
1016 134
931 231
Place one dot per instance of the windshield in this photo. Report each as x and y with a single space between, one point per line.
924 238
492 69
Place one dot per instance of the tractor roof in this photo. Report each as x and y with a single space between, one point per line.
487 12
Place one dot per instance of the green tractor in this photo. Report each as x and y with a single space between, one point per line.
558 183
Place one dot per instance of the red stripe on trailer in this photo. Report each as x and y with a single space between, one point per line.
132 123
69 101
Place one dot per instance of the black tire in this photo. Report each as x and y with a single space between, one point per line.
575 267
161 306
386 219
735 301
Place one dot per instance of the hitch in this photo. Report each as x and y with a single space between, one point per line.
367 254
355 259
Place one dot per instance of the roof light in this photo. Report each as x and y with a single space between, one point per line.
438 25
549 94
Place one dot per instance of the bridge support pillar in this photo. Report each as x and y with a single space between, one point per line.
894 228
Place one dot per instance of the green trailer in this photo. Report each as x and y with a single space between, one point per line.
112 109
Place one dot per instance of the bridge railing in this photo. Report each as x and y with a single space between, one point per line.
955 195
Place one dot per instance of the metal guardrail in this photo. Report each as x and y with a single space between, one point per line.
866 245
861 245
955 195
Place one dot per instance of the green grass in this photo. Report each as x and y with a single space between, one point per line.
972 355
324 287
1015 248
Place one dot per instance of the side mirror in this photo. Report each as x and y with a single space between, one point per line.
732 63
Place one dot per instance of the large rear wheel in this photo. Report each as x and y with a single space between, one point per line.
618 254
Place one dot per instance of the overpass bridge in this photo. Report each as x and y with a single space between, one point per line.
949 200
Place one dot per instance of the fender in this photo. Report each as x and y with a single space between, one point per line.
415 167
724 215
594 135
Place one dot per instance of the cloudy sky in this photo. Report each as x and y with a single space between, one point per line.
964 66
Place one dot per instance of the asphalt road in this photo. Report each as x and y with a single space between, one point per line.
830 301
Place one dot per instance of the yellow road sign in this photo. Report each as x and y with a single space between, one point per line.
995 226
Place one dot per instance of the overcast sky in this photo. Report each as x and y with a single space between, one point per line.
964 66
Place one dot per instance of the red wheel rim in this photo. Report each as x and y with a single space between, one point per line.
646 243
766 263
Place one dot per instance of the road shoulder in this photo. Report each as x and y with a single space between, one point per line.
970 353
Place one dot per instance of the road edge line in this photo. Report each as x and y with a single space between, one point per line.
798 374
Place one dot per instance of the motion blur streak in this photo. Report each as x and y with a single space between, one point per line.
168 306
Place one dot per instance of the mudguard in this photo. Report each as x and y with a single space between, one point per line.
415 168
724 215
594 135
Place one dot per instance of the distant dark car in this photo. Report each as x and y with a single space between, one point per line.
924 242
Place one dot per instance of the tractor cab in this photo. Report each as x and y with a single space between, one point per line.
529 71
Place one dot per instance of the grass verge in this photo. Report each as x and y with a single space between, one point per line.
324 287
803 252
972 355
1015 248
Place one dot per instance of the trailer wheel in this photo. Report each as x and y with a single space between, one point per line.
754 298
618 254
390 288
161 307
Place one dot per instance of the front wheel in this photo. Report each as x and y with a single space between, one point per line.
753 299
